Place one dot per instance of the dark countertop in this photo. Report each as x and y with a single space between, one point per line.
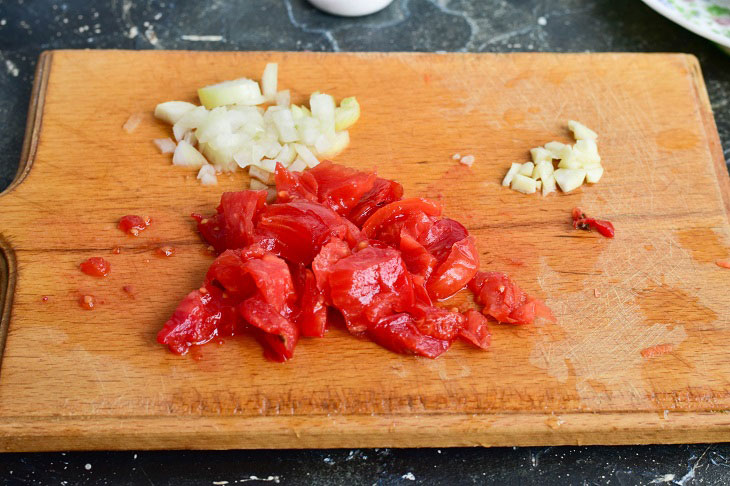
29 26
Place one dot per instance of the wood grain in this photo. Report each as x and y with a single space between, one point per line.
75 379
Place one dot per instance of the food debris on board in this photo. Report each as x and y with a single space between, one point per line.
133 224
341 247
657 350
579 163
132 122
249 126
96 267
583 222
723 263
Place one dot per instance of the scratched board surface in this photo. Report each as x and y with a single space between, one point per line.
76 379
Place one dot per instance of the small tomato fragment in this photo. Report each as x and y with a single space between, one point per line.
132 224
96 267
399 334
281 335
476 330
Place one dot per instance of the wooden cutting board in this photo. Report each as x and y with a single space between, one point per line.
76 379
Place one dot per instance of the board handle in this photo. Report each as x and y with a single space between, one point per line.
8 267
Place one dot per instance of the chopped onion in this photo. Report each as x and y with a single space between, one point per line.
347 113
241 91
526 169
557 150
524 184
581 132
187 156
323 109
166 145
571 160
286 155
594 174
132 122
456 156
543 170
268 165
587 151
298 165
257 185
283 98
269 81
540 154
189 121
172 111
207 176
285 125
338 143
548 185
259 174
467 160
306 155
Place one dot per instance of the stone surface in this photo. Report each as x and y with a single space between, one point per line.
29 26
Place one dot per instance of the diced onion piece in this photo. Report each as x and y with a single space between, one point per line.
338 143
543 170
241 91
172 111
594 174
269 81
347 113
132 122
257 185
297 113
166 145
249 156
467 160
587 152
557 150
286 155
526 169
283 98
207 176
217 122
548 185
523 184
569 179
540 154
189 121
456 156
513 170
306 155
285 125
260 174
187 156
268 165
581 132
571 161
538 185
190 138
323 109
298 165
309 130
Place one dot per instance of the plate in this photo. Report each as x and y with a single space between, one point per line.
707 18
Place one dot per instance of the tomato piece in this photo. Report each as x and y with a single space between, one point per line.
331 253
476 330
282 333
440 323
212 229
132 224
370 285
412 224
341 188
441 236
456 271
294 185
312 315
505 301
397 210
383 192
196 320
399 334
418 260
96 267
240 211
581 221
241 273
297 230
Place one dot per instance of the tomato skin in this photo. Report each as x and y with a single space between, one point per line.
398 333
456 271
383 192
476 330
331 253
370 285
96 267
417 258
312 315
505 301
132 224
240 211
397 210
281 334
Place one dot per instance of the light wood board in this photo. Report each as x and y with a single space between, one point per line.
76 379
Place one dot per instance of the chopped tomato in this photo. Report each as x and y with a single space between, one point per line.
399 333
96 267
456 271
240 211
341 188
441 236
383 192
370 285
440 323
418 260
505 301
212 230
294 185
312 315
476 330
581 221
132 224
281 334
331 253
398 210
